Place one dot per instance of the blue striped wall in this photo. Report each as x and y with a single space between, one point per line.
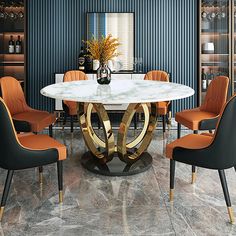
165 37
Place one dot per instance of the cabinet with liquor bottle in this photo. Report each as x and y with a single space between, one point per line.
215 44
12 39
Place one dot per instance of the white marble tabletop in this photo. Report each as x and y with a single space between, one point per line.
118 91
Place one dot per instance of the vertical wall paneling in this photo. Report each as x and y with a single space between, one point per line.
165 37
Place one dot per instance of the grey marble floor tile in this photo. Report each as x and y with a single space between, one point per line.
203 220
132 205
112 221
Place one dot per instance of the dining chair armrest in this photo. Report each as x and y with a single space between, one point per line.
21 126
211 157
209 124
21 158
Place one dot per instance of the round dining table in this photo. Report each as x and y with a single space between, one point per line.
106 155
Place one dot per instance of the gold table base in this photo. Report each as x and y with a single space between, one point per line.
128 153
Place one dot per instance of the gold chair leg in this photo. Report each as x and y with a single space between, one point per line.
171 195
1 212
231 214
193 177
60 196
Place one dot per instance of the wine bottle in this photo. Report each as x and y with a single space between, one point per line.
88 62
210 77
82 59
204 80
11 45
19 45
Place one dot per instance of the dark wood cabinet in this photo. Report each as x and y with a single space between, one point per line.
217 34
13 23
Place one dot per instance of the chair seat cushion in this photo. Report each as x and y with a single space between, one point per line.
162 108
42 142
38 120
192 118
191 141
72 106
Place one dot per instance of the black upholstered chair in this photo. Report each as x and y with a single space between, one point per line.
213 151
26 151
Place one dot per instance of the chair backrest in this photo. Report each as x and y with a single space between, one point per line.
216 95
74 75
224 143
8 138
13 95
158 75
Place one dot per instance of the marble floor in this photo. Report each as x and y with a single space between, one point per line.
133 205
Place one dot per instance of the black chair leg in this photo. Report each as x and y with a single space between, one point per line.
41 175
50 131
164 123
64 120
135 120
226 194
60 180
172 179
193 174
6 191
71 124
179 130
194 167
99 124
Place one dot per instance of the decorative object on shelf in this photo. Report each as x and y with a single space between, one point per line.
117 66
96 64
11 45
18 45
103 49
110 65
140 63
103 74
81 59
208 48
135 62
204 80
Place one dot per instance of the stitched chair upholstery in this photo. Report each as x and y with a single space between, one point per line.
24 151
162 107
206 116
70 107
213 151
25 118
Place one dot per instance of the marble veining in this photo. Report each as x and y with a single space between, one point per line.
118 91
132 206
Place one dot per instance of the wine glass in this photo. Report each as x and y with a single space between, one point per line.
140 62
135 62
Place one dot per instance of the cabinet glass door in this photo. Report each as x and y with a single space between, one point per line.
214 41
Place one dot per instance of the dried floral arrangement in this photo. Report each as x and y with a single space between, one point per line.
104 48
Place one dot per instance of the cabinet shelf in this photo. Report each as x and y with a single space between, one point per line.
221 64
13 32
12 63
214 32
12 54
215 54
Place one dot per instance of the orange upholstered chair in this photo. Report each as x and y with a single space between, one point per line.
25 118
23 151
206 116
70 107
162 107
